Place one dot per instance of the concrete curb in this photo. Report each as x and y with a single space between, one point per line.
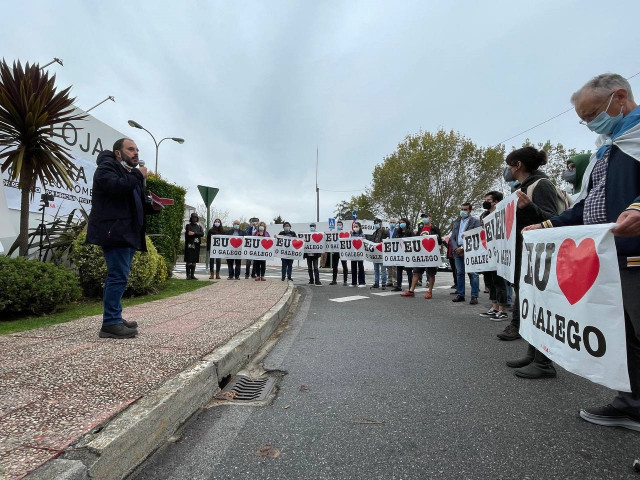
130 437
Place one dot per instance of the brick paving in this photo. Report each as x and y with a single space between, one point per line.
59 382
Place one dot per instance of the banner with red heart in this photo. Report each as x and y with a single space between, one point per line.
236 242
477 257
500 227
314 242
571 301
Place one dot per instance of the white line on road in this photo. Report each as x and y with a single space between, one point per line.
348 299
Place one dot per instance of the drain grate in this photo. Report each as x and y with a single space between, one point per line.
244 389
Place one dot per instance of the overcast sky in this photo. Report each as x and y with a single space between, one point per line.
254 86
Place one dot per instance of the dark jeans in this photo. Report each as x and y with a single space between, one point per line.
261 267
234 266
312 268
473 278
515 315
357 273
118 261
246 272
217 262
287 266
409 275
452 263
335 260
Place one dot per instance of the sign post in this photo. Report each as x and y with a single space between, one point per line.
208 194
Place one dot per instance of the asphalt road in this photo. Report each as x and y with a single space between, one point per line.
400 389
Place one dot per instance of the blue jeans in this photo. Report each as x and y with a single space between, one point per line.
376 273
473 277
287 266
118 261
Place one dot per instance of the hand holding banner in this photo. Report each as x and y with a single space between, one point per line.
289 248
314 242
478 256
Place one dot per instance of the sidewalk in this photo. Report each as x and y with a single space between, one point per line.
60 382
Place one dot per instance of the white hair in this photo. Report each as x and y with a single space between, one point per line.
603 85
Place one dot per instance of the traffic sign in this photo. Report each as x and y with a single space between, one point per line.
332 223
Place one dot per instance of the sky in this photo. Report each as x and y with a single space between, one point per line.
255 87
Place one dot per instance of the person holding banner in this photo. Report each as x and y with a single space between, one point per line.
261 265
335 259
287 263
405 230
216 229
251 231
610 193
392 272
192 234
357 267
379 234
465 222
234 264
312 263
419 271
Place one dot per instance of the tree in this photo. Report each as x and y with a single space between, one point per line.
214 213
367 210
30 107
434 173
278 220
343 210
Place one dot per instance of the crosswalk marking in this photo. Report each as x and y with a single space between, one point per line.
348 299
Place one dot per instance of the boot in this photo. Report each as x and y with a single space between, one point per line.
218 275
188 272
523 361
211 276
540 367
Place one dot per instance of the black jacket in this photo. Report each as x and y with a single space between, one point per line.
378 235
118 210
214 231
290 233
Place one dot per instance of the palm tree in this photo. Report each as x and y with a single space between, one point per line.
30 107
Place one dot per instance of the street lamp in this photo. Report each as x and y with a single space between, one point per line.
135 124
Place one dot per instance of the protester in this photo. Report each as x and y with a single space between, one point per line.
392 272
261 265
234 264
357 266
379 234
287 263
417 272
118 193
496 284
461 225
576 166
216 229
192 234
404 231
312 263
335 260
431 229
611 193
251 231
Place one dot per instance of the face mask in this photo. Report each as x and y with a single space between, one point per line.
403 225
486 205
339 227
356 229
261 228
312 229
569 176
236 227
605 123
377 226
392 225
513 183
425 220
287 229
508 175
464 213
216 224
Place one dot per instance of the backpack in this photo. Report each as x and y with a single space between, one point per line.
563 201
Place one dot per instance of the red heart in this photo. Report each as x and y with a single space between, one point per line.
483 238
577 268
296 244
429 244
344 234
509 216
379 247
317 237
267 243
235 242
357 244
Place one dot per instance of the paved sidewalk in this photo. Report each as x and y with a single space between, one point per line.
59 382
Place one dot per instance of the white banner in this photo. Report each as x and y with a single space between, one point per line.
502 223
373 251
332 240
392 252
226 246
313 242
422 251
352 249
478 256
289 247
258 248
85 139
571 302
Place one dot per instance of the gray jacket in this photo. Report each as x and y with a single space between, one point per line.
474 222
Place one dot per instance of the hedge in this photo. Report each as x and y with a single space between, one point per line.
168 223
35 287
148 270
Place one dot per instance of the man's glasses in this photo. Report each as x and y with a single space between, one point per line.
597 111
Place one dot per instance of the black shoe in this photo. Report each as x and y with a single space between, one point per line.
458 298
253 275
396 289
311 282
283 279
523 361
344 284
290 279
333 283
509 333
375 285
419 284
390 285
237 278
455 287
246 276
384 287
500 316
318 283
474 301
229 278
609 416
117 331
536 370
453 293
131 324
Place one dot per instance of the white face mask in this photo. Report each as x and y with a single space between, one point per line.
217 224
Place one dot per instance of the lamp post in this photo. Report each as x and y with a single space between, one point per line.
135 124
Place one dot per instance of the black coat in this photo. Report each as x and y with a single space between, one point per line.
118 209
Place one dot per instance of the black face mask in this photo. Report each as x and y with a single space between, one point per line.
486 205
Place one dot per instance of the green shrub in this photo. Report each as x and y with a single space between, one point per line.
165 228
148 270
31 286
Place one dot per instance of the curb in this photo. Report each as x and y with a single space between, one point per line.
116 449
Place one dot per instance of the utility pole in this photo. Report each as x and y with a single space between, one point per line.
317 190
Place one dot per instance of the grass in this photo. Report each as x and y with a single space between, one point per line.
86 308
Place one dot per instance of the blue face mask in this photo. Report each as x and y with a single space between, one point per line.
464 213
339 227
312 229
377 226
604 123
513 183
403 225
392 225
287 229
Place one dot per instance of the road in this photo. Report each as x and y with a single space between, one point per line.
400 388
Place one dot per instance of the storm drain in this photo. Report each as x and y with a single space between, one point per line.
244 389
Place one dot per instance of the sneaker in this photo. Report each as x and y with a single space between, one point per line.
454 287
474 301
131 324
375 285
396 289
490 313
408 293
459 298
509 333
427 295
318 283
311 282
384 287
500 316
362 285
333 283
609 416
117 331
353 285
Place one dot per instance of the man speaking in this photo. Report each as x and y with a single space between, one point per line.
117 224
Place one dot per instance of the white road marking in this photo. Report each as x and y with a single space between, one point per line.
347 299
